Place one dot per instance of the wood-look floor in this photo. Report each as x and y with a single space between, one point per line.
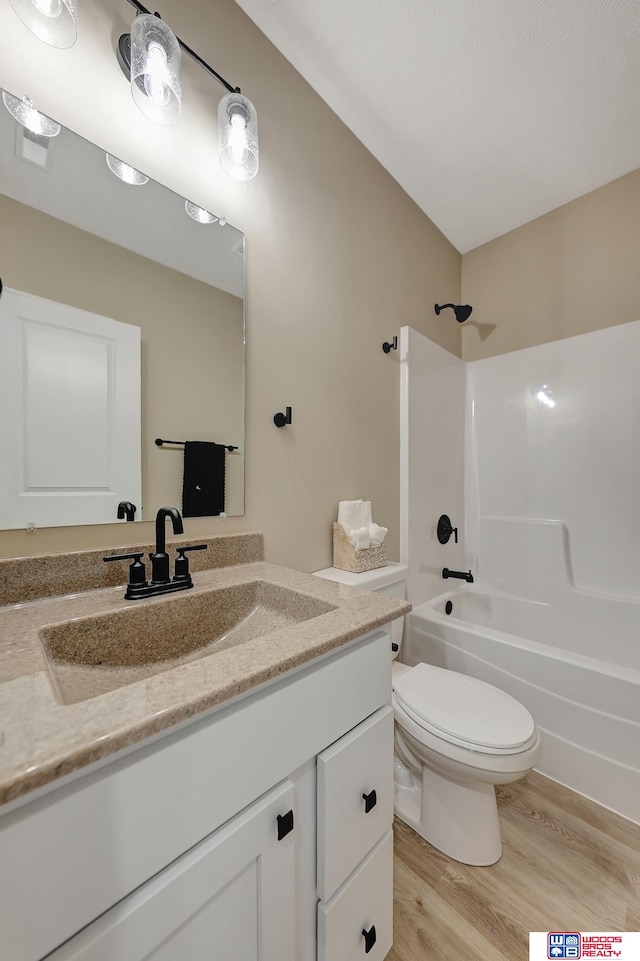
567 865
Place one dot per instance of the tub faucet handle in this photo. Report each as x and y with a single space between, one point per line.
445 529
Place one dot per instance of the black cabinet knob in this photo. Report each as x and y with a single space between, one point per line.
370 801
369 938
285 824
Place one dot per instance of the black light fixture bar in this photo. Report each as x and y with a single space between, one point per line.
188 50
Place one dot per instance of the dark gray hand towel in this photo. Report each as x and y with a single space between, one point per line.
203 484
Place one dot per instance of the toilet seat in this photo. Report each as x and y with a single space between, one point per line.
463 710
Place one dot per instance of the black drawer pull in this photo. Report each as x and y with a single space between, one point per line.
369 938
285 824
370 801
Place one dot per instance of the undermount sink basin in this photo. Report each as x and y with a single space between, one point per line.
91 655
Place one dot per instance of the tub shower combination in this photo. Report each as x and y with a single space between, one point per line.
571 663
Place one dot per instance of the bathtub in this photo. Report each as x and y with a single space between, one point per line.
576 667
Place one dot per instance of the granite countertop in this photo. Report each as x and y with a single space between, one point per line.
43 738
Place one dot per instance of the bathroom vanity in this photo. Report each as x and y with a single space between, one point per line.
248 816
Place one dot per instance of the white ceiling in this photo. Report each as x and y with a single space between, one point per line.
488 112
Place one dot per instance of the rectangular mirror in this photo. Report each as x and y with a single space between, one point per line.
97 273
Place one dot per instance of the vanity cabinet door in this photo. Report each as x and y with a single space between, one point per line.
231 897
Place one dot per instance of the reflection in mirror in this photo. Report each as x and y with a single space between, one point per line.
121 321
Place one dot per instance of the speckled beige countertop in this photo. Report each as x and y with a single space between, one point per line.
43 739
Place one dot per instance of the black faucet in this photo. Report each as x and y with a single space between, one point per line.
126 508
161 582
160 559
461 575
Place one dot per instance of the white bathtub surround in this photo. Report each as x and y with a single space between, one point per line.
551 530
586 705
432 412
577 462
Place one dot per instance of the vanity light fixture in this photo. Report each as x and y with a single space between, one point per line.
155 69
54 21
238 136
200 215
462 312
125 172
150 58
25 113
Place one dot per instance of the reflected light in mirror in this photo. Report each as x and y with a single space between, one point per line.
125 172
200 215
26 114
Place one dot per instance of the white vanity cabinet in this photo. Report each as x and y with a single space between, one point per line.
173 850
232 896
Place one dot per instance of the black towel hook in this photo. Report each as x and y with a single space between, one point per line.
390 346
280 419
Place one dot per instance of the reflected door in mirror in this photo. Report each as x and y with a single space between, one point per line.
71 380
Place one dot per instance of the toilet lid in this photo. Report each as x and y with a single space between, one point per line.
463 709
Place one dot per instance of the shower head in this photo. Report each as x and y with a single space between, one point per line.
462 312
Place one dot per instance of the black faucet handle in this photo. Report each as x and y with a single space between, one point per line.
137 570
445 529
192 547
123 557
182 562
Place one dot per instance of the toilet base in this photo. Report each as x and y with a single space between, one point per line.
461 820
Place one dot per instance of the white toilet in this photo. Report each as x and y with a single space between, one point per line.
455 738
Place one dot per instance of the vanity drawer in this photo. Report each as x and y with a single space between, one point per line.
364 903
349 824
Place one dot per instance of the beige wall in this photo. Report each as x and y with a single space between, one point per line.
192 338
338 258
574 270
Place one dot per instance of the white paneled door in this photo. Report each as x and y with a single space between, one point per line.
69 414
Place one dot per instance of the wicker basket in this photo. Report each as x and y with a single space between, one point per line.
347 558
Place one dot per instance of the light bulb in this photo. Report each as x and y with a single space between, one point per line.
155 79
238 146
155 69
238 133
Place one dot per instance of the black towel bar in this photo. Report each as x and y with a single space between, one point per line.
181 443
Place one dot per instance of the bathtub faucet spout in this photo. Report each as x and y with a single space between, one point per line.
461 575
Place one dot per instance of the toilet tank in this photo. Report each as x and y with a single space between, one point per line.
390 581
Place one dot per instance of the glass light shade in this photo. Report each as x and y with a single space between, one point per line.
156 64
199 214
26 114
125 172
238 133
54 21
